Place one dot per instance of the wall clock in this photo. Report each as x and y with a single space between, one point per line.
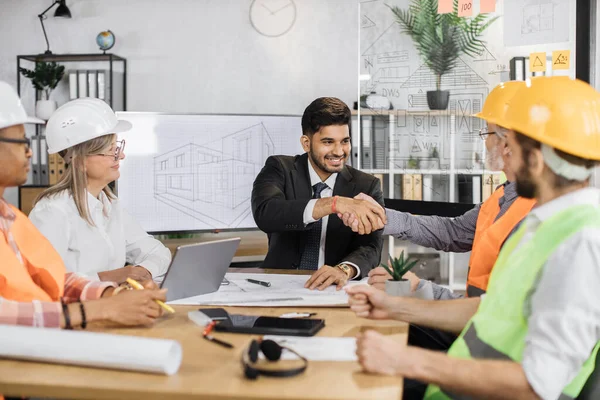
272 18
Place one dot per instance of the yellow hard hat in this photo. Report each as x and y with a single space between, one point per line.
496 104
560 112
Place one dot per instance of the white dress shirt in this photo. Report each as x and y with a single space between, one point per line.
116 239
308 213
563 310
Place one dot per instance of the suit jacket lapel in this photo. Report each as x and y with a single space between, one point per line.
301 179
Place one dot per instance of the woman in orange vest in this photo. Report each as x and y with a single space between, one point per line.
482 230
35 288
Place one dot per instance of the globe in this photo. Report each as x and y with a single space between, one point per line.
106 40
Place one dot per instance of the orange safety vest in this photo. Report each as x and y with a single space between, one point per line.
42 274
490 234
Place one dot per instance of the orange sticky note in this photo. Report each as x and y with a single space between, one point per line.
561 59
487 6
465 8
537 62
444 6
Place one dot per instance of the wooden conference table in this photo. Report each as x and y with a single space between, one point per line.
210 371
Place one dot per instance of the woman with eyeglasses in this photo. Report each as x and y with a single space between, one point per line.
80 215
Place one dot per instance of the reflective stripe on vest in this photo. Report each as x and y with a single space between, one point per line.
500 325
490 235
42 276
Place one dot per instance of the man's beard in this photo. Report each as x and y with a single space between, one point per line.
324 167
493 160
525 185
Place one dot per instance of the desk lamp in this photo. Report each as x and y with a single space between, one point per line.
61 12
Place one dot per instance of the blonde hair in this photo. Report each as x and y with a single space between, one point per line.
74 179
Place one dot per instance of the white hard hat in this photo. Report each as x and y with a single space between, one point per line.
81 120
11 109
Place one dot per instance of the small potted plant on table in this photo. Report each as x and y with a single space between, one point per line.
398 286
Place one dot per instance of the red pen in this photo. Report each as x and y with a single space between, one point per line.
209 328
206 335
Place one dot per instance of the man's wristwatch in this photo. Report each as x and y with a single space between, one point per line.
348 270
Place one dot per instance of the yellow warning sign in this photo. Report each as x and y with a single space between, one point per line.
537 62
561 59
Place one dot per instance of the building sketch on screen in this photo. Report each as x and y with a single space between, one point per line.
212 182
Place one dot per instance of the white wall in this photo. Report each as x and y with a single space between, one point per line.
198 56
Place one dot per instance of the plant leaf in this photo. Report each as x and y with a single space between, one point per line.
408 267
389 271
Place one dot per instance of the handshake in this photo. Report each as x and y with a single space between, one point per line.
362 214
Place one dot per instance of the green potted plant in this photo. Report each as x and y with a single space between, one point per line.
45 77
398 286
441 39
413 163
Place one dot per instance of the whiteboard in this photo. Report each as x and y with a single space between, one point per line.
195 172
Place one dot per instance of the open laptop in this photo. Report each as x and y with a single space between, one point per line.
199 268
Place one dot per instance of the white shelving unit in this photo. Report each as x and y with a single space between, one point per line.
391 171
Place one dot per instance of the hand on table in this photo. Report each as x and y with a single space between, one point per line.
325 277
379 354
369 302
129 307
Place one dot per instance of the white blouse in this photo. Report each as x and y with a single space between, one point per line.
116 239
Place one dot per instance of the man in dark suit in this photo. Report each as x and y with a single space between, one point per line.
295 200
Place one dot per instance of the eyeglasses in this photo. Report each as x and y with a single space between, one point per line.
118 150
25 141
483 133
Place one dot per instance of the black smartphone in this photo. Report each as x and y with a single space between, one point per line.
262 325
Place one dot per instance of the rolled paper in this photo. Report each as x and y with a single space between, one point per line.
90 349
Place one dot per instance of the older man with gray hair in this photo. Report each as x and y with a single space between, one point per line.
482 230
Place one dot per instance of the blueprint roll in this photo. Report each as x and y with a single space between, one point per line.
90 349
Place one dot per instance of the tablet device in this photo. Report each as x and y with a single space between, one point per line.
262 325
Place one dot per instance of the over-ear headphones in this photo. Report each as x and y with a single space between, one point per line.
272 351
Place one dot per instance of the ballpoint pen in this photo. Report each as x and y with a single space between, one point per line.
207 336
298 315
136 285
262 283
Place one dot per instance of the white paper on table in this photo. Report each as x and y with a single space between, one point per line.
90 349
286 290
533 22
317 348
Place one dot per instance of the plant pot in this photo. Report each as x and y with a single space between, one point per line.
398 288
44 109
438 99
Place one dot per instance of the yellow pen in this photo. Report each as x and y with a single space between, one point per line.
138 286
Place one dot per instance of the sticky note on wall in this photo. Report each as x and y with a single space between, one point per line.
444 6
561 59
465 8
537 62
487 6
